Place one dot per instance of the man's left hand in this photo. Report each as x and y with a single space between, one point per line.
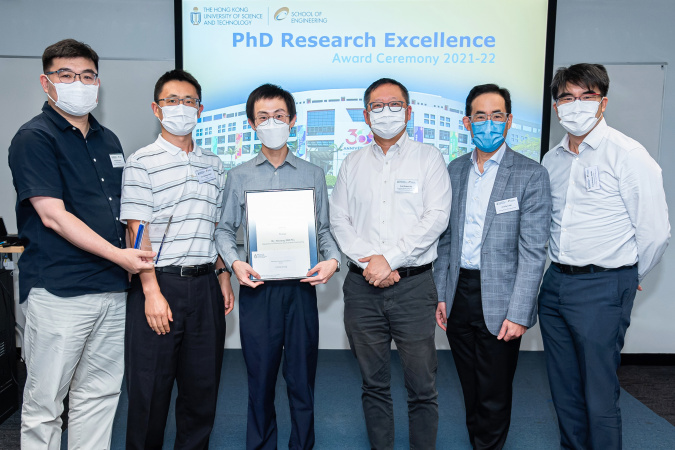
324 270
226 289
378 269
511 330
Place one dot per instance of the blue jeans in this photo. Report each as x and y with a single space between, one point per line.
403 312
583 320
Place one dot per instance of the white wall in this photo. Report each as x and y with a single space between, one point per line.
138 36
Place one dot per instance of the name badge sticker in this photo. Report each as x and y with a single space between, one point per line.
592 178
508 205
205 175
406 186
117 160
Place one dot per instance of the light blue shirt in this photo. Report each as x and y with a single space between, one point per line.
478 194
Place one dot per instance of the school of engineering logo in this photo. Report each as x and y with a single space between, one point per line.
282 13
195 16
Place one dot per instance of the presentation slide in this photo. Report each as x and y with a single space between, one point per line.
326 53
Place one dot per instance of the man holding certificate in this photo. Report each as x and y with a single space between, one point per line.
390 204
282 203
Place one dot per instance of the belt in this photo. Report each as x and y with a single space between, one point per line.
591 268
187 271
402 271
469 273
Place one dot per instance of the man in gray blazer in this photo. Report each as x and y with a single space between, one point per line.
490 263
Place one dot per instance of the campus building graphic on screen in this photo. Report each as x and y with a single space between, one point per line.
330 125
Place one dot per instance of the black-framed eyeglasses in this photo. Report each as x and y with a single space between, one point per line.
278 118
175 101
67 76
395 106
496 117
588 97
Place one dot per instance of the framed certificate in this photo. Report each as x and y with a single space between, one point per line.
281 233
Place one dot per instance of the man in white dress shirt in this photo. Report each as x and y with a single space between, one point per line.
609 228
390 204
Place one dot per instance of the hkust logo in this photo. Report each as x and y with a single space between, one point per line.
282 13
195 16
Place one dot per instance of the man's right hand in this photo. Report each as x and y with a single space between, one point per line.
441 316
392 279
243 271
133 261
157 312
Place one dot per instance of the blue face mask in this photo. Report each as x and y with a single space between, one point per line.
488 136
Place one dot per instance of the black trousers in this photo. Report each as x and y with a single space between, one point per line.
485 366
403 312
191 354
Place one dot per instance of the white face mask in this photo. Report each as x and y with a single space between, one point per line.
578 117
387 124
75 98
179 120
273 135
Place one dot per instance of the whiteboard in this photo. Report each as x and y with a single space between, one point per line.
635 104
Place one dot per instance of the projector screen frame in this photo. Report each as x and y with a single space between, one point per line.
548 64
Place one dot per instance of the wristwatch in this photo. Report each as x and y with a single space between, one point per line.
338 267
221 271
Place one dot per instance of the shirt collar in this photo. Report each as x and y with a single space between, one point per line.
596 136
174 150
290 159
63 123
398 146
593 139
496 158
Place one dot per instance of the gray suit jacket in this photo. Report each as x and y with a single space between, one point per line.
513 251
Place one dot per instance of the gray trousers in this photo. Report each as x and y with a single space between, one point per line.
403 312
76 344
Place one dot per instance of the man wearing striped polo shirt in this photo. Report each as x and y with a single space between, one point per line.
175 325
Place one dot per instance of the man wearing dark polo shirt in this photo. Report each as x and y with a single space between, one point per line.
67 172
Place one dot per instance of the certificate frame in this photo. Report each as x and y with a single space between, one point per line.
281 232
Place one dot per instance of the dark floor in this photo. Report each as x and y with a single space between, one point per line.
654 386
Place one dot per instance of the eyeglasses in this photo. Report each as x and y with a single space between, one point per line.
583 97
377 107
175 101
279 119
496 117
67 76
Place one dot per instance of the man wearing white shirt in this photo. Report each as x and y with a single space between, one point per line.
390 204
609 228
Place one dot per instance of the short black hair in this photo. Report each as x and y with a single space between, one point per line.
68 48
380 82
487 89
176 75
269 91
584 75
